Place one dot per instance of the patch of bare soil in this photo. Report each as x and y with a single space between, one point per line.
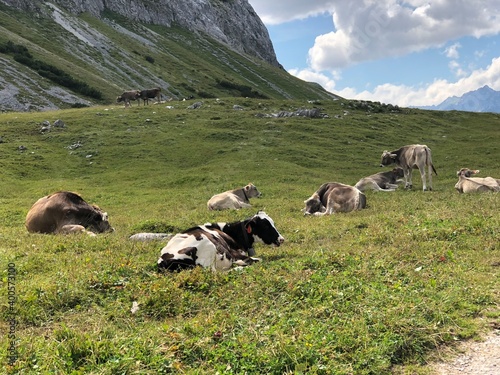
473 358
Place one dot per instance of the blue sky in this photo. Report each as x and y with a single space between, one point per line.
413 52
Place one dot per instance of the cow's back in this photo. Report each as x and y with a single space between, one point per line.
47 213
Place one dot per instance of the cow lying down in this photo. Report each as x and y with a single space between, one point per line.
233 199
64 212
468 184
382 181
219 246
334 197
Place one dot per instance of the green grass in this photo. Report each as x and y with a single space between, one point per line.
373 291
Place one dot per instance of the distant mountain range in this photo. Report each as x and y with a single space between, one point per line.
484 99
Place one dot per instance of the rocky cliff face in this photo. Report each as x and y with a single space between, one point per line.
233 22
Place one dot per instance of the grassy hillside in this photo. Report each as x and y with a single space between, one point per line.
373 291
115 54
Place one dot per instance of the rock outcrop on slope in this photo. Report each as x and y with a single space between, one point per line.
233 22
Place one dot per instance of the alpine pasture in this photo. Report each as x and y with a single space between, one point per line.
375 291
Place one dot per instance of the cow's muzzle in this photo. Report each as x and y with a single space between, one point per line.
279 241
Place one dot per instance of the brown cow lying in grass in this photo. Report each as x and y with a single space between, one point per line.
65 212
381 181
334 197
468 184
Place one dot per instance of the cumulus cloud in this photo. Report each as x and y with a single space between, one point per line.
381 29
371 29
276 12
367 30
431 94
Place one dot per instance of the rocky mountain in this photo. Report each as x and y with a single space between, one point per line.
484 99
60 53
233 22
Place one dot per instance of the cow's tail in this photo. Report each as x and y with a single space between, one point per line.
428 160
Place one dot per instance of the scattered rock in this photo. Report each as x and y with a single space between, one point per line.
59 124
143 237
195 105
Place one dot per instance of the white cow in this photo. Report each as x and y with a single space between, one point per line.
468 184
233 199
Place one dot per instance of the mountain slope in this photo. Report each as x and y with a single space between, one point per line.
111 54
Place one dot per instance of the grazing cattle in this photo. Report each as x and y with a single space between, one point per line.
65 212
145 95
411 157
382 181
127 96
219 246
234 199
468 184
334 197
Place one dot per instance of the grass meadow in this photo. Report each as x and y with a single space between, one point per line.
377 291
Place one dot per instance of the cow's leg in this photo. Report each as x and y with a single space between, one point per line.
74 228
407 174
430 176
422 176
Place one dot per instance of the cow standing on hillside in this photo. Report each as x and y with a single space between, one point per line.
127 96
411 157
66 212
332 197
219 246
468 184
145 95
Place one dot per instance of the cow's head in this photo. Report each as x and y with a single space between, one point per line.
98 221
313 205
387 159
398 173
119 99
466 172
263 230
251 191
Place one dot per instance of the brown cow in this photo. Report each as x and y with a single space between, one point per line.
468 184
411 157
334 197
234 199
145 95
382 181
66 212
127 96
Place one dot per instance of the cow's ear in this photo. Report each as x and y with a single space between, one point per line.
249 229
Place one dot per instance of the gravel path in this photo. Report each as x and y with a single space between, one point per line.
476 358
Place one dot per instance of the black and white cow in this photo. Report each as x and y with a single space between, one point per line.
219 246
411 157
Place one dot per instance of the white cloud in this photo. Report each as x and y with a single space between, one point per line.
371 29
431 94
310 76
381 29
276 12
452 51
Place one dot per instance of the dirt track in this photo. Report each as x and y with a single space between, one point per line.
475 358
